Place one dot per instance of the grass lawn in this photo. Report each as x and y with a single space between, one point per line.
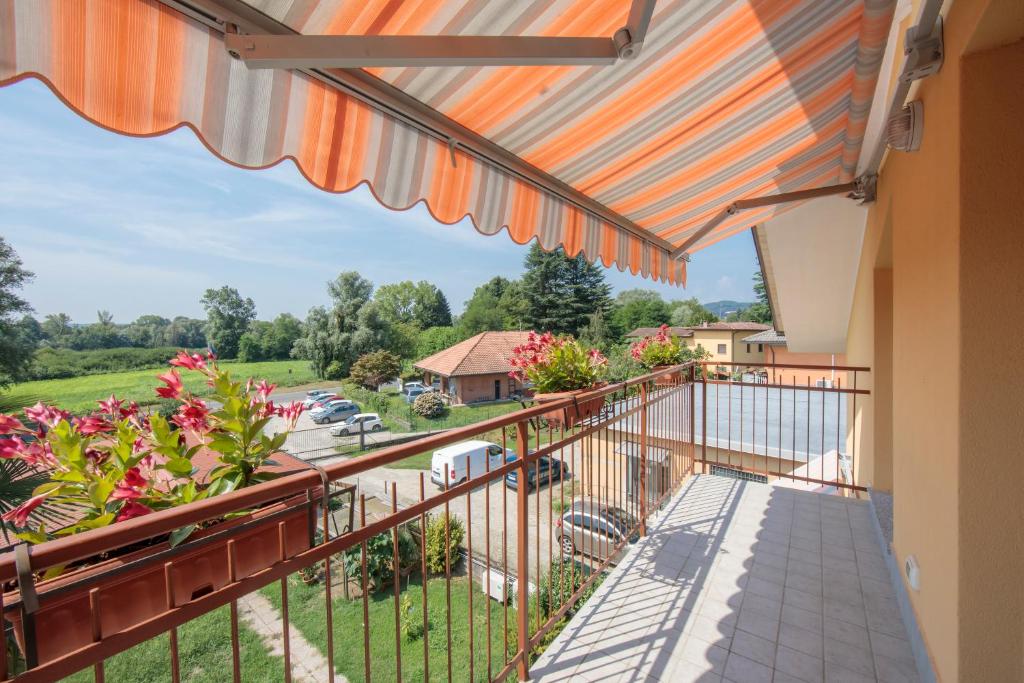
204 653
79 394
306 612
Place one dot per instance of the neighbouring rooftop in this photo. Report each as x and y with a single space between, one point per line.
484 354
742 582
770 337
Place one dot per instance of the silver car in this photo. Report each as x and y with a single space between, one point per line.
594 529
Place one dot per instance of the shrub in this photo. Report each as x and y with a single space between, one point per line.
63 363
564 577
380 558
374 369
435 542
336 370
428 405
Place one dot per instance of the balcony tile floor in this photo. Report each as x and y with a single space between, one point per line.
742 582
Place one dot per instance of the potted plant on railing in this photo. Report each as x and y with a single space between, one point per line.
560 368
661 351
120 463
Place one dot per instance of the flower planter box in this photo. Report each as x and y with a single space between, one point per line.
130 590
665 380
572 414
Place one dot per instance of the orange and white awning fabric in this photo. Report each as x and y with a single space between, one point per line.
726 100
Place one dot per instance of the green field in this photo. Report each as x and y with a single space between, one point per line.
79 394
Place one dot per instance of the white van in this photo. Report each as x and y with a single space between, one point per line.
475 454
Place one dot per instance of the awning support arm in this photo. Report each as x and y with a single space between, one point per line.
630 38
855 188
354 52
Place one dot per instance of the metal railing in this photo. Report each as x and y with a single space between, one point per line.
595 468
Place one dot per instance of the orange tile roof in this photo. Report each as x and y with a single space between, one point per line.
651 331
484 354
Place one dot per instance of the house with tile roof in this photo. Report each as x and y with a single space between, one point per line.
771 344
723 340
476 369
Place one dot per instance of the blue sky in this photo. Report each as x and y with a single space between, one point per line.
138 226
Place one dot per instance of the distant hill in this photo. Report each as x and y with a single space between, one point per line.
724 308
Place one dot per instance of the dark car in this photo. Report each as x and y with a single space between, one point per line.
545 469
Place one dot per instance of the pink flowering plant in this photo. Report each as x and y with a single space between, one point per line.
119 462
662 348
554 364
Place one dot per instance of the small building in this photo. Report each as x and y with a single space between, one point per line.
771 346
475 369
722 340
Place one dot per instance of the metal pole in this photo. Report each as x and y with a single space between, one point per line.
643 459
522 560
704 419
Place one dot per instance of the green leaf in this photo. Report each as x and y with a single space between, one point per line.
99 491
179 535
32 536
48 487
180 467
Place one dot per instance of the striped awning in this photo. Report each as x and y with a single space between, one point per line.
726 100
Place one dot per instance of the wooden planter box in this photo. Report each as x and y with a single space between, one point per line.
574 413
130 590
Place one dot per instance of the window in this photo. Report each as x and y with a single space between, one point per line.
748 348
721 349
760 348
494 450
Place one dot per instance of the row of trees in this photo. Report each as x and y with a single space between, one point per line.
408 319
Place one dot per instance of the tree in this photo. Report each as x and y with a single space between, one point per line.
561 293
430 306
228 316
597 332
690 313
421 304
186 333
16 349
375 368
435 339
147 331
638 308
354 325
57 328
483 310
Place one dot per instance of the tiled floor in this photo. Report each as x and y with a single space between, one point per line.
742 582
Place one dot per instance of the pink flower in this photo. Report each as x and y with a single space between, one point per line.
112 406
19 515
174 386
192 416
290 413
46 415
93 424
193 362
264 389
11 448
131 510
9 423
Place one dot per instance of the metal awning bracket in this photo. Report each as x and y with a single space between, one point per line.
924 54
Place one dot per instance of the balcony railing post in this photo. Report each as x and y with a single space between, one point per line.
704 419
643 459
693 418
522 560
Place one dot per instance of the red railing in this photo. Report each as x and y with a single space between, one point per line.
493 601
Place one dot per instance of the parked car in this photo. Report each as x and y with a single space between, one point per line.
316 392
463 459
412 395
594 529
545 469
329 403
366 422
335 412
317 401
410 386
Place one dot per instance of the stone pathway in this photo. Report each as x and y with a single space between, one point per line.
308 664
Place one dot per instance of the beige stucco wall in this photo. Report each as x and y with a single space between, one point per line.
947 221
991 372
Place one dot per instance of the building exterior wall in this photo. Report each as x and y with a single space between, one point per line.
710 340
779 354
473 388
952 215
739 349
